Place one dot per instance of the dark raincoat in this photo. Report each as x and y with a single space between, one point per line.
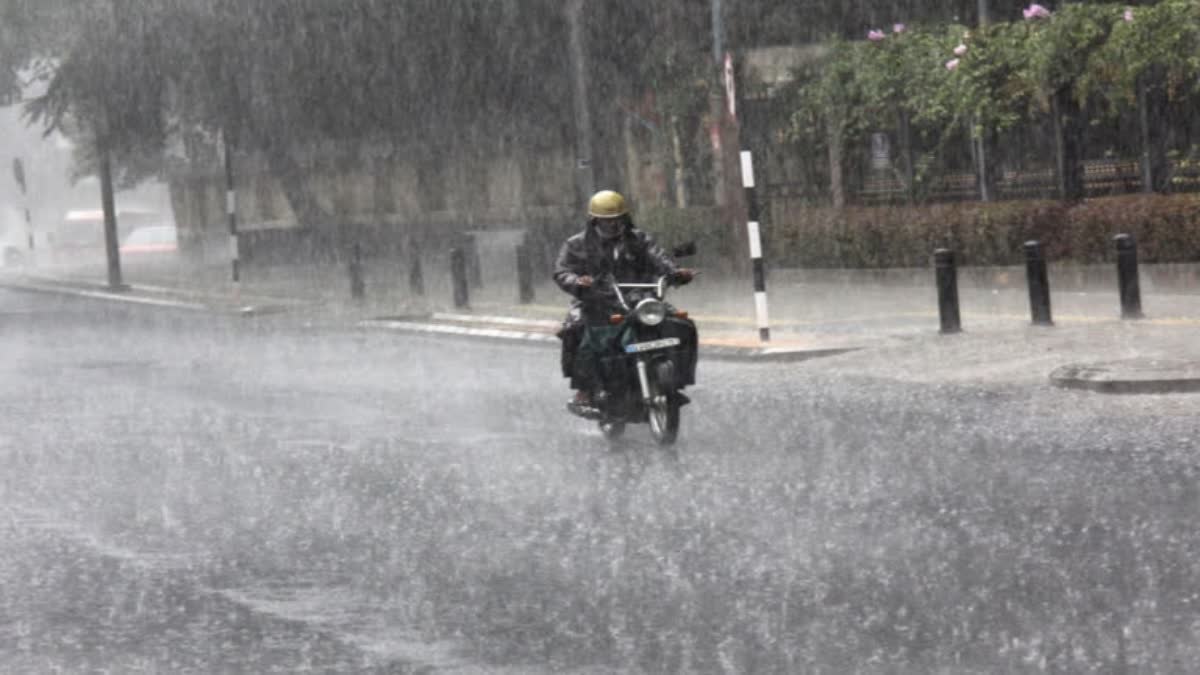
633 257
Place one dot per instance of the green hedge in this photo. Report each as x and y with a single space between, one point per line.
1167 228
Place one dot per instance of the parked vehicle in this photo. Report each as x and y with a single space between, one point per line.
157 241
79 237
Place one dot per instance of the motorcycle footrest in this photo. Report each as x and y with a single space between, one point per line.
587 412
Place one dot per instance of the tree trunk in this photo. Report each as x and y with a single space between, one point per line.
1154 137
681 193
383 196
1068 132
108 202
296 190
837 184
906 154
633 159
984 146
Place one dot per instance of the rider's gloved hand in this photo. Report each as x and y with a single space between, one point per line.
685 276
584 281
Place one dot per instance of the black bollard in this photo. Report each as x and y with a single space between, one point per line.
1039 284
358 286
947 285
458 277
524 274
474 263
416 276
1127 277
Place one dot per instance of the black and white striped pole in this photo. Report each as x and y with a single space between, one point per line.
756 251
231 211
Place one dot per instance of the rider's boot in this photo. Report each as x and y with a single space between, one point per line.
583 405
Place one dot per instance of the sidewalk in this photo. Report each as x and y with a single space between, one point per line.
493 312
223 301
809 317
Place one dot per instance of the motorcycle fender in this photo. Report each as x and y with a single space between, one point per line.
664 373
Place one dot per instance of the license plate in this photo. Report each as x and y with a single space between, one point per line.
639 347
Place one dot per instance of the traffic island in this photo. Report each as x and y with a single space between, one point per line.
713 345
1131 376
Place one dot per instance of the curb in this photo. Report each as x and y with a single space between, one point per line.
1130 377
408 326
770 354
131 297
429 326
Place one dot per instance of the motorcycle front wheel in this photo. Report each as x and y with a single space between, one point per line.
664 421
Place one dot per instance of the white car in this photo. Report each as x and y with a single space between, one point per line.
155 240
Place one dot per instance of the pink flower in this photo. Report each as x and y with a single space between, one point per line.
1129 16
952 64
876 35
899 28
960 50
1036 11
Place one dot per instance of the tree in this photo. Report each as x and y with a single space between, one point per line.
107 85
1152 62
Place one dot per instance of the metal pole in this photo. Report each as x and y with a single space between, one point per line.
585 178
524 275
1039 284
756 251
718 29
474 262
231 212
358 287
716 109
1127 277
458 277
947 286
416 276
29 233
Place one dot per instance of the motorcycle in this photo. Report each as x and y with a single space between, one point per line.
649 357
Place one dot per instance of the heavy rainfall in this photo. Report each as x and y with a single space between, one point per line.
287 384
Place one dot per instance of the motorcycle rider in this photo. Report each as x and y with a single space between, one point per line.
610 246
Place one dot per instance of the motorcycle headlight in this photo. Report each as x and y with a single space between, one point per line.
650 312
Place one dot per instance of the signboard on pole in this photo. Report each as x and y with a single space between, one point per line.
19 173
730 86
881 151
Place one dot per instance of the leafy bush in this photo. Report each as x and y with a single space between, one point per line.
988 233
1166 227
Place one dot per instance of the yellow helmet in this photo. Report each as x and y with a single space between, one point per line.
607 204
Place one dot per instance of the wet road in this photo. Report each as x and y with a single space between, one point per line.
188 493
